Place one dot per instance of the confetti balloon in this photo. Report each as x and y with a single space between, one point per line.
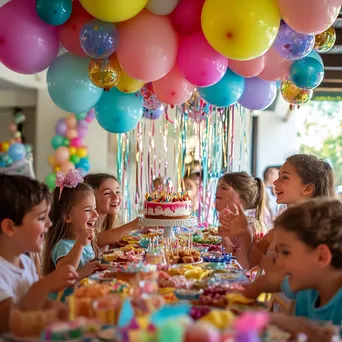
99 39
104 73
293 94
307 73
197 108
151 101
153 114
291 44
325 41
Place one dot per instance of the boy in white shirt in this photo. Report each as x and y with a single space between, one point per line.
24 220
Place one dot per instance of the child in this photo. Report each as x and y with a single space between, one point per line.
108 202
191 187
308 239
24 221
73 215
301 177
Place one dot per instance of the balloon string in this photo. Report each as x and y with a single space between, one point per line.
167 115
232 140
119 158
165 140
154 171
141 148
137 168
242 141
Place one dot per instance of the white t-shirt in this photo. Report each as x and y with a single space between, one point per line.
15 281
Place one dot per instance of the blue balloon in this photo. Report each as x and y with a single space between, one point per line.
154 114
316 55
69 85
82 172
118 112
258 94
17 152
291 44
99 39
54 12
308 73
225 92
83 164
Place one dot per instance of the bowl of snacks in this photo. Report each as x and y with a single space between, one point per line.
187 294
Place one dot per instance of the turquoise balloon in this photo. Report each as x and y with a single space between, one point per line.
307 73
314 54
117 112
54 12
69 85
57 141
225 92
81 116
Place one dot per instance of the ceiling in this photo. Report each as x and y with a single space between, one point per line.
331 87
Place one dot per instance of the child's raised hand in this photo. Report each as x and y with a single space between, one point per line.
63 277
89 269
233 222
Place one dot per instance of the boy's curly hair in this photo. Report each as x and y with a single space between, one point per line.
316 222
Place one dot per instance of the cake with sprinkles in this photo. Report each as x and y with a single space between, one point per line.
167 205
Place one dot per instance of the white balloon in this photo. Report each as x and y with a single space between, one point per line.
161 7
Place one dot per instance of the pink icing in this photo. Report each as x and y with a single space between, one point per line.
173 206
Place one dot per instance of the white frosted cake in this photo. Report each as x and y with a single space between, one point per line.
164 205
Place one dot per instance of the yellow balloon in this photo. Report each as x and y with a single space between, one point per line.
72 150
52 160
56 169
240 30
82 152
127 84
5 146
113 10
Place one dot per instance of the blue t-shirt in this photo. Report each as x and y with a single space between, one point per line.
62 249
306 304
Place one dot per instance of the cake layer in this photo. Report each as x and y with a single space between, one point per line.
171 210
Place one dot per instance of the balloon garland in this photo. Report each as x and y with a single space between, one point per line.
103 57
70 151
14 150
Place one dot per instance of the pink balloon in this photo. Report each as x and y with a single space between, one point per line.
276 67
173 88
76 142
309 16
148 46
62 155
250 68
66 166
199 63
27 44
186 18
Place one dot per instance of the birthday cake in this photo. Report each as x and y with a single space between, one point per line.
167 205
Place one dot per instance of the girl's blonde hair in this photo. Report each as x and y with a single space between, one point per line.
60 229
251 191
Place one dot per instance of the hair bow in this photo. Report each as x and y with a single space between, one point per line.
69 180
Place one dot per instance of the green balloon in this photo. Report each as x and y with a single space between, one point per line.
75 159
66 142
50 180
28 148
57 141
81 116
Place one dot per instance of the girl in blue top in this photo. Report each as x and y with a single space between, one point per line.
70 241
